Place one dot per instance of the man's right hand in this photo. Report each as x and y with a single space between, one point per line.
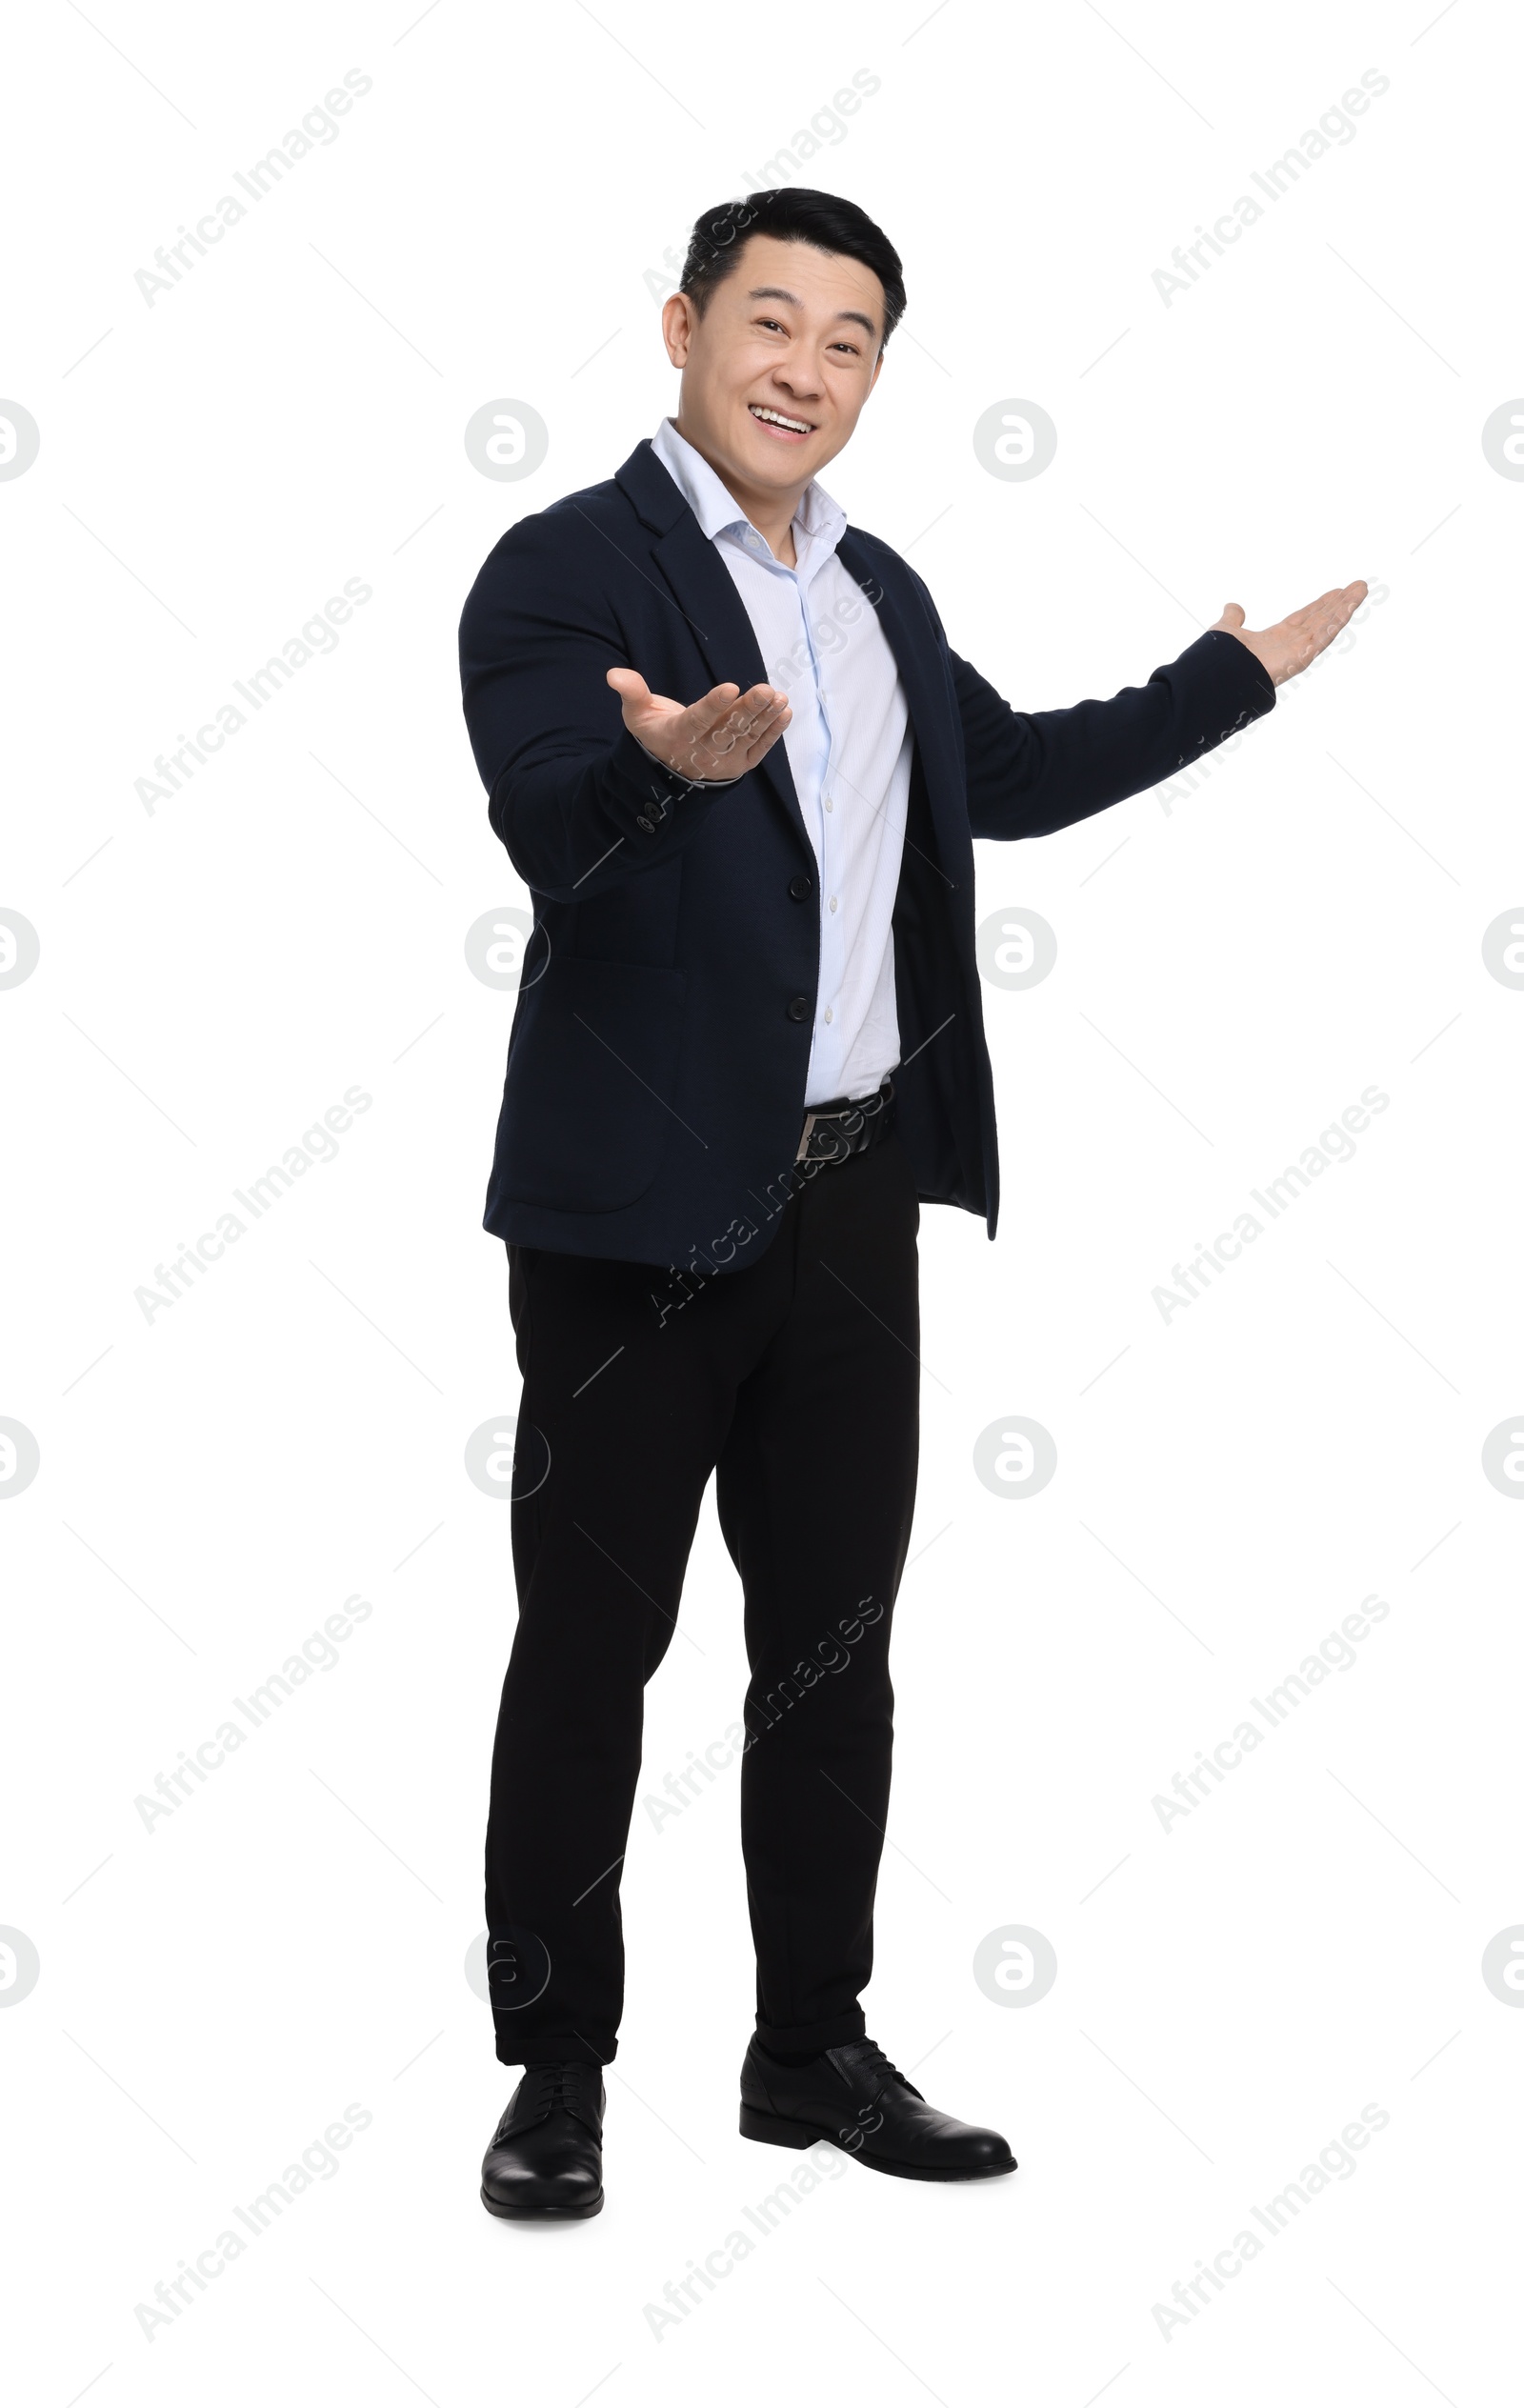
721 736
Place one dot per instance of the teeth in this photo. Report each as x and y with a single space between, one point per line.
795 426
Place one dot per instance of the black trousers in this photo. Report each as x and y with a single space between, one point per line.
796 1381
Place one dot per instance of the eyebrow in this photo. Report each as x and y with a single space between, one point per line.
776 292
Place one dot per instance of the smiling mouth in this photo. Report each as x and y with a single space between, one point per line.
783 429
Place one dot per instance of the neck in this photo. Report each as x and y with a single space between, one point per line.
771 514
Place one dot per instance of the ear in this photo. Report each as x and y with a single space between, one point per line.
878 364
678 320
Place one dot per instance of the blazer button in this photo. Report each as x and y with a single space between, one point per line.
799 1008
800 887
648 826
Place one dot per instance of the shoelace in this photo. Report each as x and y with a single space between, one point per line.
551 2086
545 2089
872 2060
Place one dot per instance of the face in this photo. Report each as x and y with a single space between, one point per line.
778 368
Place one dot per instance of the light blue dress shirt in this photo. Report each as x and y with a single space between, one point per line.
849 746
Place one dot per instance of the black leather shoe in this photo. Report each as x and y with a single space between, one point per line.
546 2157
854 2097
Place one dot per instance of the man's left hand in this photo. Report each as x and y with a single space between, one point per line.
1288 647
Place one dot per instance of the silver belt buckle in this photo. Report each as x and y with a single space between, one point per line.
809 1120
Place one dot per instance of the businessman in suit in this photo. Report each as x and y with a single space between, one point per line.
732 754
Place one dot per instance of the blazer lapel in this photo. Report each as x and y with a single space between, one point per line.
914 642
704 592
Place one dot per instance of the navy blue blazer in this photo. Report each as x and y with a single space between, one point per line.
660 1042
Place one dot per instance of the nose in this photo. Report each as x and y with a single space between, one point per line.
796 376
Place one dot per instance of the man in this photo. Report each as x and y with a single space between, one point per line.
731 752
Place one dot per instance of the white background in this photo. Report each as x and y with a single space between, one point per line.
1233 970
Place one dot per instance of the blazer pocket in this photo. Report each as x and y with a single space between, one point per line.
591 1087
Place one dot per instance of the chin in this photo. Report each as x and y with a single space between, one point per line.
781 473
781 461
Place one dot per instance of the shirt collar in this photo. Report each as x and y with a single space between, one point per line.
819 522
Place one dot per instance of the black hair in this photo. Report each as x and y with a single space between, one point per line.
793 214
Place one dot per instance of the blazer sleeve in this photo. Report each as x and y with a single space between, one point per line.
1032 772
578 803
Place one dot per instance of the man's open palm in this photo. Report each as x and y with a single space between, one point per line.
1293 642
723 735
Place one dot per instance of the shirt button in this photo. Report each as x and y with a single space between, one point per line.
799 1008
830 1014
833 902
829 806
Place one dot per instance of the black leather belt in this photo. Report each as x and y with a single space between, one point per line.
846 1126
